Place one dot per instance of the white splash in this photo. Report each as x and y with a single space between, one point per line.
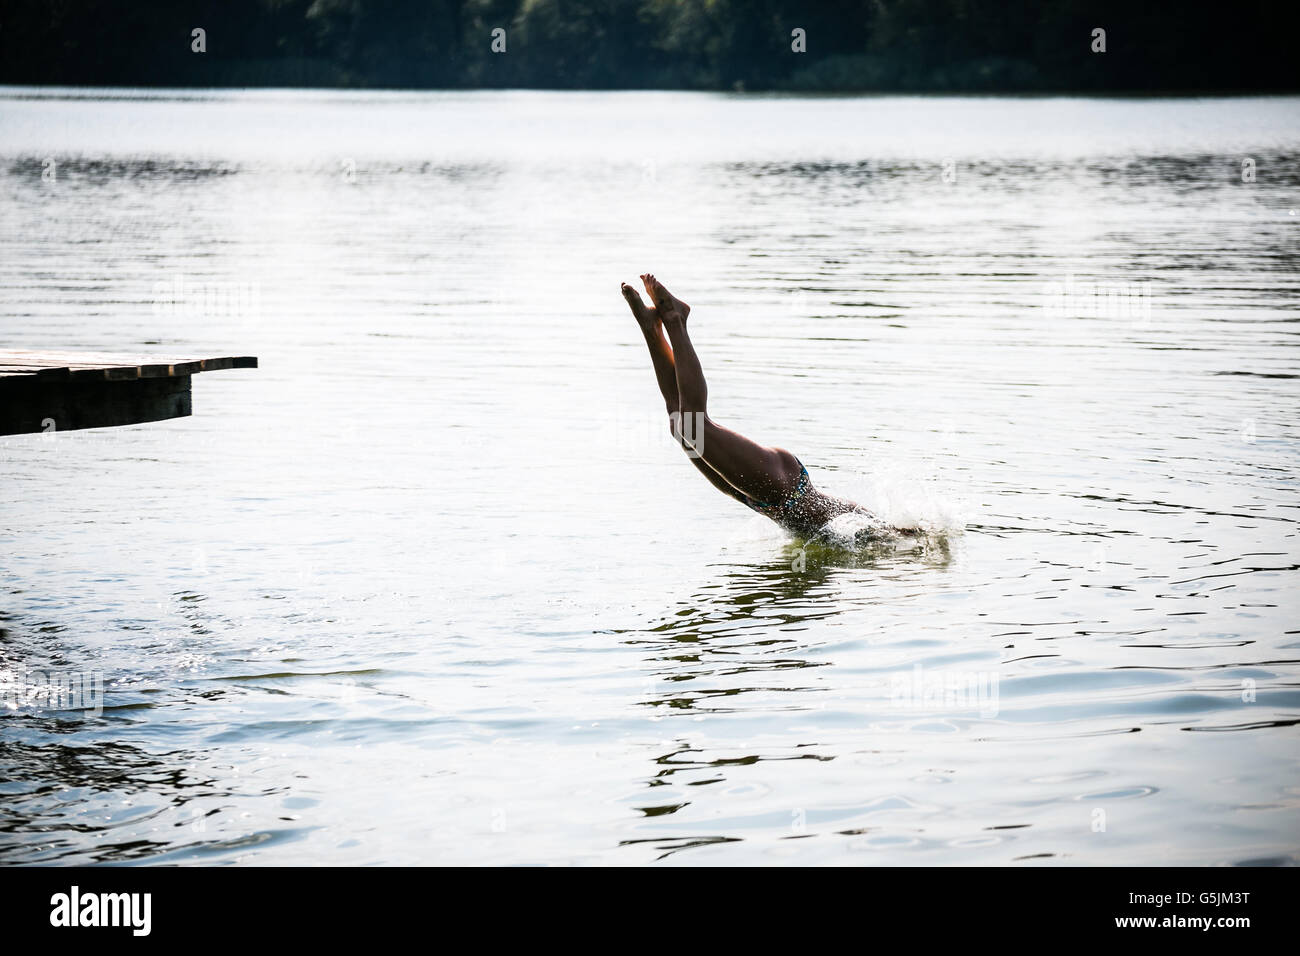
897 501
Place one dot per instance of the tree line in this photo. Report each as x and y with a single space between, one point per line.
754 45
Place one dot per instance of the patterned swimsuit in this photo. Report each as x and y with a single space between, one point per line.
781 509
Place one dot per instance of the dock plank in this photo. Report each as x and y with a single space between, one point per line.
110 366
65 390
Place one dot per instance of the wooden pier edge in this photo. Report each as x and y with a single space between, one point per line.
63 391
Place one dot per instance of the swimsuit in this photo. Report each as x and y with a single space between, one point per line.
784 506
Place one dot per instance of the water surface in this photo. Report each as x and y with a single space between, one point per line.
434 585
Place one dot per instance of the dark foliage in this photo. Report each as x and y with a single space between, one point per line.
922 45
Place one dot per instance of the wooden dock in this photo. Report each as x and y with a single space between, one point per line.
60 391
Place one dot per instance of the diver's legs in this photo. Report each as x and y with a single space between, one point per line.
762 473
666 375
660 354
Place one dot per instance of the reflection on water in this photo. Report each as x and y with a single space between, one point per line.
433 585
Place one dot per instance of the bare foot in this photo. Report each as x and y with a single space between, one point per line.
665 302
646 316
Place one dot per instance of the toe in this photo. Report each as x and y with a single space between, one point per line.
654 289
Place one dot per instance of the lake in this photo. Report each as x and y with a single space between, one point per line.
435 585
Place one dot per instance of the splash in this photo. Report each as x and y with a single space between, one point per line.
907 515
904 511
